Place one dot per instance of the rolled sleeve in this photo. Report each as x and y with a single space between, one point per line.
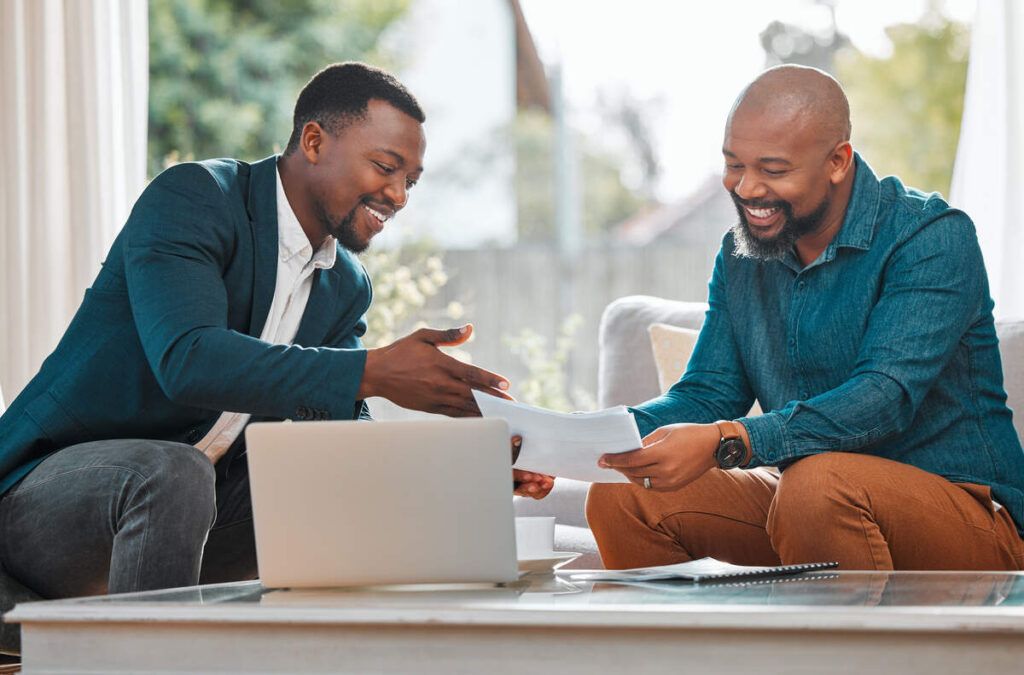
767 439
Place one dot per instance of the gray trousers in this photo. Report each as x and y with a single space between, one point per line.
126 515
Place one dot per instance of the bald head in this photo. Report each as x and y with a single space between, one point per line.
804 100
789 165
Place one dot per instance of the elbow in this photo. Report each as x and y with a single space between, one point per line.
180 373
178 386
175 387
895 410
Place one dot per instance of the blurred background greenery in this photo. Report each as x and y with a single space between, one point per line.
224 75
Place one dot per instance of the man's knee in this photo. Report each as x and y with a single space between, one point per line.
814 489
170 475
184 475
606 502
809 483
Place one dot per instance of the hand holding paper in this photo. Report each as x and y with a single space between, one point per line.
565 444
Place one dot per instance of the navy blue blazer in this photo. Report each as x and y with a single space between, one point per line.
167 336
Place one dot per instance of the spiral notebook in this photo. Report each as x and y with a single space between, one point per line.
702 571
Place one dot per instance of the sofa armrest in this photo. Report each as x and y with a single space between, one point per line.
626 372
1011 351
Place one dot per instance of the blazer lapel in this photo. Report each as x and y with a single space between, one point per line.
321 309
262 206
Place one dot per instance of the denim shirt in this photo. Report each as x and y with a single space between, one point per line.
884 345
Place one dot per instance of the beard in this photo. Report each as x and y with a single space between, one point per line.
749 245
343 228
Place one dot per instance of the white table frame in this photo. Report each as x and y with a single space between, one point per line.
140 637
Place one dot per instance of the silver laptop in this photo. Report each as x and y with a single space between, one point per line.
367 503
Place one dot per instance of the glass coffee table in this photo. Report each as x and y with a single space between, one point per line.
841 622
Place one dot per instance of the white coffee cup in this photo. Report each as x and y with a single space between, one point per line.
535 537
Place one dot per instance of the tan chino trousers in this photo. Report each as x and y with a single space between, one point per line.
865 512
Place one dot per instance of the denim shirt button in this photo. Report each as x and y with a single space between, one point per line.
792 342
801 285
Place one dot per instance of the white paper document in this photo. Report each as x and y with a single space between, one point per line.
565 444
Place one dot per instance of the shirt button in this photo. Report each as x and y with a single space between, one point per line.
792 342
193 436
801 285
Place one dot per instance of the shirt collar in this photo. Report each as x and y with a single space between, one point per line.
862 212
292 239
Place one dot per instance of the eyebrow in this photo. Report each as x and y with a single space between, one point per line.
398 158
762 160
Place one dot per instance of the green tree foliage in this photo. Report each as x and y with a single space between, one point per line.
224 74
906 108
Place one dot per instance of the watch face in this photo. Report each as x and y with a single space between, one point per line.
730 453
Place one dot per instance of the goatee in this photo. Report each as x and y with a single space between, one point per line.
343 229
749 245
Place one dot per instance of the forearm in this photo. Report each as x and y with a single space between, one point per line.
220 369
691 400
863 411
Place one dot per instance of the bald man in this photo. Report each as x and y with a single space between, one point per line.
857 312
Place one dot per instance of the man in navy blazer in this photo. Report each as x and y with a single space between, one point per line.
231 294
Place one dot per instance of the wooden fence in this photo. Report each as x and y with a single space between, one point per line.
530 287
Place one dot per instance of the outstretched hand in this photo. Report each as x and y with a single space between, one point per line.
413 373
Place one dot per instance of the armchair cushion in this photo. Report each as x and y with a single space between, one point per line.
671 346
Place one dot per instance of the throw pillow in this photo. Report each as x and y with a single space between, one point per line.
672 347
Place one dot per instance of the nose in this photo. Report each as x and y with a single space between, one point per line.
397 193
749 187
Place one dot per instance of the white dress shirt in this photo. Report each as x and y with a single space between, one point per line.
296 263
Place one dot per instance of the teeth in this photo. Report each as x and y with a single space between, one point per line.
376 214
761 213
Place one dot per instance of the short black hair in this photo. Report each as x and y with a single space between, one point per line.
339 94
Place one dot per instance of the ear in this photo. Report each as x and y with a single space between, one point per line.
311 142
840 162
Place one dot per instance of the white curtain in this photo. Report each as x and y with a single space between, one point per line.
73 108
988 178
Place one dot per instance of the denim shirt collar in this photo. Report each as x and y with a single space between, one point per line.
860 221
862 212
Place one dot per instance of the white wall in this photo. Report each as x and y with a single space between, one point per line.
459 61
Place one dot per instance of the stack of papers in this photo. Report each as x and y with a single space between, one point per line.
565 444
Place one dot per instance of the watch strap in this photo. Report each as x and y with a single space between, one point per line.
730 429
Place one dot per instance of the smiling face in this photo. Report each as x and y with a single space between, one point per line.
787 162
361 177
780 178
